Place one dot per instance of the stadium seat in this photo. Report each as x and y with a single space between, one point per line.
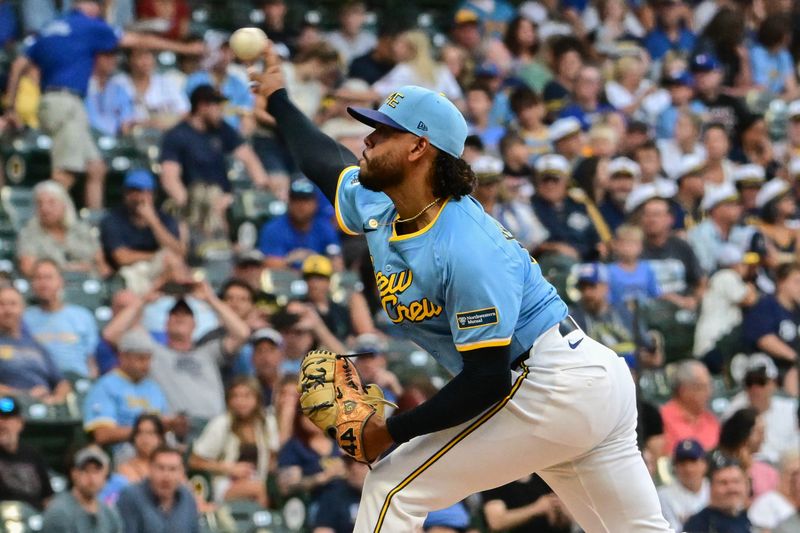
18 203
675 324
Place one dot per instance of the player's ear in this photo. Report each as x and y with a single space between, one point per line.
421 147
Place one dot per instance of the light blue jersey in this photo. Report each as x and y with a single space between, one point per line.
116 401
460 283
70 334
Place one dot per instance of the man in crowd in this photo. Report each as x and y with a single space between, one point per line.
289 239
78 510
68 332
194 152
376 63
623 174
161 502
688 492
138 238
727 508
180 367
23 472
64 51
686 415
119 397
268 358
26 368
571 230
339 500
771 325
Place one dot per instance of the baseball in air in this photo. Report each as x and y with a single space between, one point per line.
248 43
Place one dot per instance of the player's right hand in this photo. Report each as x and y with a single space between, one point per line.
271 78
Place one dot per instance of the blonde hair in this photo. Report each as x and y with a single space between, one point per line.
629 232
625 65
56 190
422 63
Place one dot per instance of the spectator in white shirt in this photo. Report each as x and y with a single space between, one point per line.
351 40
689 492
775 506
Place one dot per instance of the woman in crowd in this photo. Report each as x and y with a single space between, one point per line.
522 45
238 447
778 207
740 438
416 66
55 232
147 435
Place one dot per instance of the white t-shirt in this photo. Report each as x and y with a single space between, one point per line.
350 49
679 503
163 97
720 311
770 509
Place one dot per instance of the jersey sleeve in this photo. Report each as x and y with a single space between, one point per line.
99 409
354 204
483 292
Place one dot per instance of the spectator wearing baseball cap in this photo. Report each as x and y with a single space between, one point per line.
80 507
728 499
572 232
688 493
708 78
115 400
137 236
287 240
670 33
748 180
721 226
371 365
790 147
194 151
623 174
691 188
267 361
680 85
567 138
730 291
776 205
25 475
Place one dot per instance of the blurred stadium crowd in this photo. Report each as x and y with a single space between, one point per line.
165 267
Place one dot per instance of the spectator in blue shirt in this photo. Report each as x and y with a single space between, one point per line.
109 106
586 104
116 400
9 28
238 98
670 33
67 331
770 61
290 238
195 151
65 50
479 106
771 325
494 16
630 278
25 366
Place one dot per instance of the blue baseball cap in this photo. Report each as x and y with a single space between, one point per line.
688 450
422 112
139 178
704 63
592 273
679 78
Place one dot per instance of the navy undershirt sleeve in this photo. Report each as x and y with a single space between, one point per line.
484 380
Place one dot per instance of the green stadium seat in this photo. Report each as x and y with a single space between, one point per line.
675 324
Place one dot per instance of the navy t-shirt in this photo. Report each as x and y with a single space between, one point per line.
338 507
568 223
201 154
295 453
278 237
64 50
769 316
711 520
117 231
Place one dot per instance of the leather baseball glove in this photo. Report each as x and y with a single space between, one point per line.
334 399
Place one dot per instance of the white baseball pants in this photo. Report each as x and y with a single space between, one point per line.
570 417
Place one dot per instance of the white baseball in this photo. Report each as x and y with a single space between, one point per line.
248 43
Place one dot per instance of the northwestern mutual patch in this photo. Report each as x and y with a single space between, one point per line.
477 318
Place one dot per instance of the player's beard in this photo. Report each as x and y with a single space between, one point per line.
379 173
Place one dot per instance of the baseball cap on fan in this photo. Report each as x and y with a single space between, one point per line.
422 112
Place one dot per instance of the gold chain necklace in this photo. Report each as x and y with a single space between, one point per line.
404 220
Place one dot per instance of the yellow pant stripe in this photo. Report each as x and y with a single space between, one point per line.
449 446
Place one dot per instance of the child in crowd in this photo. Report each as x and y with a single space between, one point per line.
629 277
530 112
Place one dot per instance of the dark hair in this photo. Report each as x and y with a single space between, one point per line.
323 52
523 98
725 31
585 176
564 44
481 87
785 270
769 213
511 41
773 30
235 282
737 429
237 424
714 126
473 141
165 450
147 417
452 177
508 140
